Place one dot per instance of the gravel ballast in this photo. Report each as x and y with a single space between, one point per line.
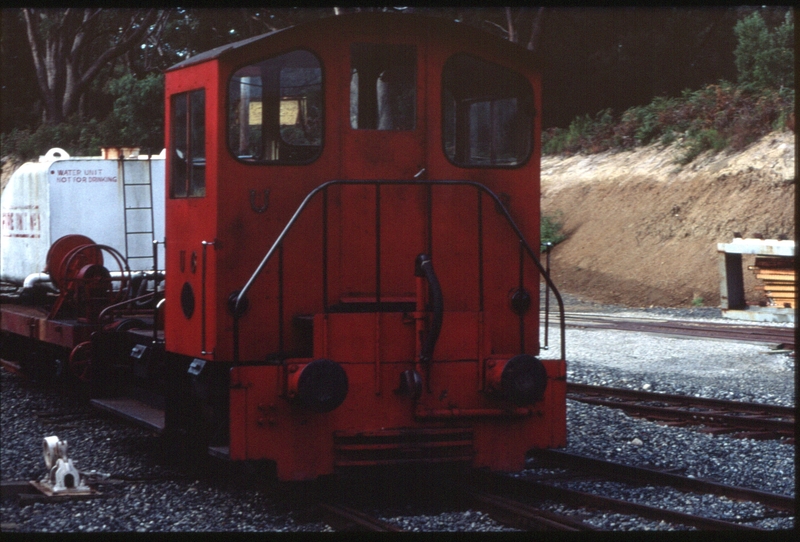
156 498
700 367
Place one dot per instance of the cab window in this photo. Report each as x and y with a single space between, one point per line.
275 110
487 113
188 136
383 86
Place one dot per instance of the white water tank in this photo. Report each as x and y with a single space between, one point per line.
119 203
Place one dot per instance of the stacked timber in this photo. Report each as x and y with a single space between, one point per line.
779 280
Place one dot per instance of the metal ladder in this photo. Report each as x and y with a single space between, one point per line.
137 194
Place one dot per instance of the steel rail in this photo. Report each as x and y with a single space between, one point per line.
626 507
523 516
349 519
727 421
710 330
751 416
520 487
646 475
738 406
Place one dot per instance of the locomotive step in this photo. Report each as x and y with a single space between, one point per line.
134 411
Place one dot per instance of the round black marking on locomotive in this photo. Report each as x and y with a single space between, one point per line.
520 301
322 386
524 380
243 306
187 300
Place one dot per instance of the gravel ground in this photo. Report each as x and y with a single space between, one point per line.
699 367
211 498
156 497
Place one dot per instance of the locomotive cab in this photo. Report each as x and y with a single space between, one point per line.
352 231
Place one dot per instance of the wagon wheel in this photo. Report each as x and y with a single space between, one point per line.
80 361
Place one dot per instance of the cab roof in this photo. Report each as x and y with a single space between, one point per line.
437 26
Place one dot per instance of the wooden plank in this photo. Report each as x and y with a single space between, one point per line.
778 288
786 271
10 488
774 262
782 278
771 269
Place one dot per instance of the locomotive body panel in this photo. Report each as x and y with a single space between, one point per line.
364 99
305 445
192 212
237 190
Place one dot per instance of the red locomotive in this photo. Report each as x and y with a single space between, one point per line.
352 230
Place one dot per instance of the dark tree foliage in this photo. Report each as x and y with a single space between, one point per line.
594 59
18 94
71 47
621 57
764 57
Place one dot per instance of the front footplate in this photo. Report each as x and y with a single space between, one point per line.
403 446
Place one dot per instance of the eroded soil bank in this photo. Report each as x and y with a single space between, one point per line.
643 230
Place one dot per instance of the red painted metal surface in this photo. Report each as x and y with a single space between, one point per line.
32 322
243 235
55 262
356 245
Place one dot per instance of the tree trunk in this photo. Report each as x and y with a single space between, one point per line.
512 33
70 47
536 29
44 75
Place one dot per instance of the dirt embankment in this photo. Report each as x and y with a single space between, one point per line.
643 230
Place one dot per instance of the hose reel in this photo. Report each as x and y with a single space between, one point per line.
75 265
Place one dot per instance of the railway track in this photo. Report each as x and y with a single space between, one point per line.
526 503
510 503
594 469
784 337
346 519
739 419
523 516
646 475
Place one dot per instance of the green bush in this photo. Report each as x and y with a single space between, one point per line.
133 122
584 132
706 139
551 225
75 137
715 117
764 57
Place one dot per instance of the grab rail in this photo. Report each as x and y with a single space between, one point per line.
238 308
